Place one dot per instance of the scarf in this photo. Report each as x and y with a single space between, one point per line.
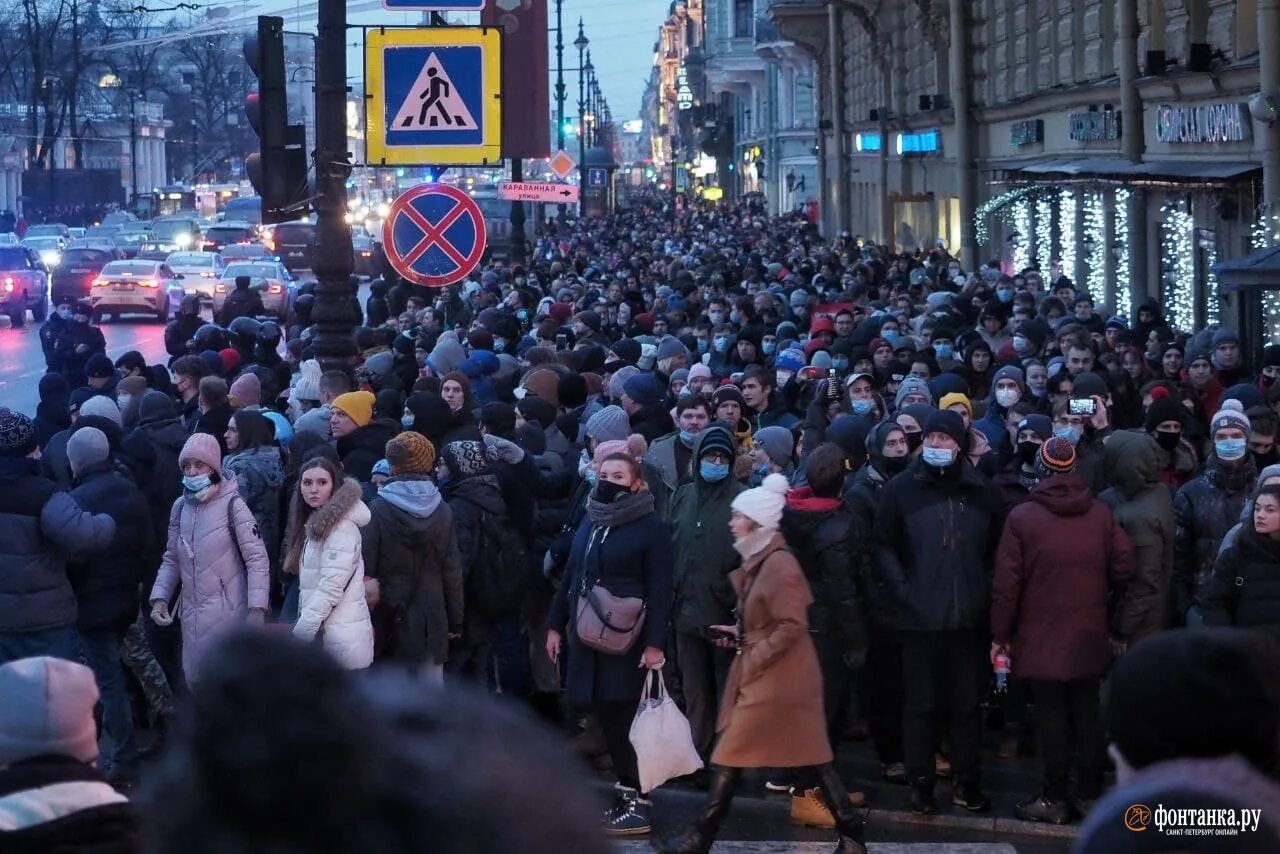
626 508
754 542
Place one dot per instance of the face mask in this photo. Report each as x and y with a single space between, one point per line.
769 347
406 421
914 441
1266 381
1007 397
1021 344
716 316
703 347
939 457
686 438
893 465
944 351
1071 434
607 492
1037 393
761 470
1229 449
1004 295
784 377
196 484
1027 451
800 310
735 317
840 365
1168 439
499 345
64 313
722 344
123 401
889 335
862 407
713 472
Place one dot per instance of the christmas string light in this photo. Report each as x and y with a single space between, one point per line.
1213 308
1022 223
1124 285
1266 232
1067 220
1044 233
1095 245
993 205
1178 265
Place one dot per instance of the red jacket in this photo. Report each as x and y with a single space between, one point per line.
1059 553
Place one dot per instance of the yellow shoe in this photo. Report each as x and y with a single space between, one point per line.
808 810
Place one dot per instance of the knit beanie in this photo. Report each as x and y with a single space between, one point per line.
619 380
850 433
357 405
498 419
202 448
627 349
135 386
610 424
949 423
633 446
1057 456
228 361
1195 693
956 399
87 446
572 391
103 407
791 359
543 382
701 372
1230 415
1009 372
645 389
17 434
878 436
465 458
245 391
1088 384
910 386
670 347
778 443
308 385
47 710
411 453
1038 424
728 393
715 437
763 505
1162 409
99 367
534 408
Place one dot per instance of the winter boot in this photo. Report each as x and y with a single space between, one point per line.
724 781
848 822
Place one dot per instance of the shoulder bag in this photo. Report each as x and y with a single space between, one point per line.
604 622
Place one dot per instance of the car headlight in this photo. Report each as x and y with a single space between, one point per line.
51 257
182 240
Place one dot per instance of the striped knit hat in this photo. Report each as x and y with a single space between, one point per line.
1057 456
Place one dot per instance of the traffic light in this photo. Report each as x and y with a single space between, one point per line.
569 129
278 171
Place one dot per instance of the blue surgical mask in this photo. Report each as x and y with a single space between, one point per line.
703 347
406 421
862 407
1021 344
686 438
735 317
1229 449
944 351
64 313
713 472
499 345
769 347
196 484
722 344
841 365
1004 295
1071 434
938 457
590 475
889 335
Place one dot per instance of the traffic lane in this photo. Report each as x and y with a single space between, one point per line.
22 358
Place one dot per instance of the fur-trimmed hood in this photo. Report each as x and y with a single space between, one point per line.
345 502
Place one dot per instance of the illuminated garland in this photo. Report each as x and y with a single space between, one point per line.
1177 267
993 205
1044 233
1213 308
1124 285
1067 221
1266 232
1022 223
1095 273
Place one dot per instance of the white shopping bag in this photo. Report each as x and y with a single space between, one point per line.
661 737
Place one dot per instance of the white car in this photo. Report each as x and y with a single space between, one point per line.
199 270
268 276
49 248
134 287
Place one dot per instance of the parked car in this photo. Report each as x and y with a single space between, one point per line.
48 247
118 218
293 243
220 235
24 284
48 229
368 255
74 277
268 276
135 287
75 232
176 233
198 271
245 252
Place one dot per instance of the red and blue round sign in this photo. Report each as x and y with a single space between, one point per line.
434 235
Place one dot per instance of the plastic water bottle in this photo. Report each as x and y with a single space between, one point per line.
1002 671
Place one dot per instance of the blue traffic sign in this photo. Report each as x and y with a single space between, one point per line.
427 6
434 235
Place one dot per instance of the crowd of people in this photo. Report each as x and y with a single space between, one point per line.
825 488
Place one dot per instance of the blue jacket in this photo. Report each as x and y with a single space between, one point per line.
40 527
106 584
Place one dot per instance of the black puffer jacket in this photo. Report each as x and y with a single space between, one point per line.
361 449
160 430
830 547
476 502
1244 588
935 540
1204 509
106 586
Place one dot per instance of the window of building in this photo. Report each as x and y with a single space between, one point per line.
743 18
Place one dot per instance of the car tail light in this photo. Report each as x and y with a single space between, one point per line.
8 283
275 289
207 274
99 282
148 283
219 289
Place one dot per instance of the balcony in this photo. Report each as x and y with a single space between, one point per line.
800 21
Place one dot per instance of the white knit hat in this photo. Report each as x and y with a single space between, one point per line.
308 385
763 505
1230 415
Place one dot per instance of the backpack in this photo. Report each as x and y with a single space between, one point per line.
496 581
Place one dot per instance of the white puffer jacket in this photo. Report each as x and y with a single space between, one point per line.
331 580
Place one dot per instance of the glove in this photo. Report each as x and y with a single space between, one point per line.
497 448
372 592
160 613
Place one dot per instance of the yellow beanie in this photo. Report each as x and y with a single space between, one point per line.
950 400
358 406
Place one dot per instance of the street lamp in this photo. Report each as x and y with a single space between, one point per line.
581 44
559 77
195 151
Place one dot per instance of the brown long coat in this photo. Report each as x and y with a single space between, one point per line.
772 714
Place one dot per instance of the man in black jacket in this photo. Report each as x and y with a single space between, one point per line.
106 589
242 302
937 528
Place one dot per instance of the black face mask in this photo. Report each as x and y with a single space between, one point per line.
1266 381
607 491
893 465
914 441
1168 439
1027 451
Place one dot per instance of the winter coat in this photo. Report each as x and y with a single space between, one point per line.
775 415
71 363
703 552
54 463
53 804
179 331
663 471
1143 508
361 449
652 422
476 502
559 454
50 331
331 580
771 715
1059 554
215 421
51 417
825 537
411 547
1203 511
934 541
260 475
40 528
106 586
315 421
241 302
633 559
165 436
216 566
1244 588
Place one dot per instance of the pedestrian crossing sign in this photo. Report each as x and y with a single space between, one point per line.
433 97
